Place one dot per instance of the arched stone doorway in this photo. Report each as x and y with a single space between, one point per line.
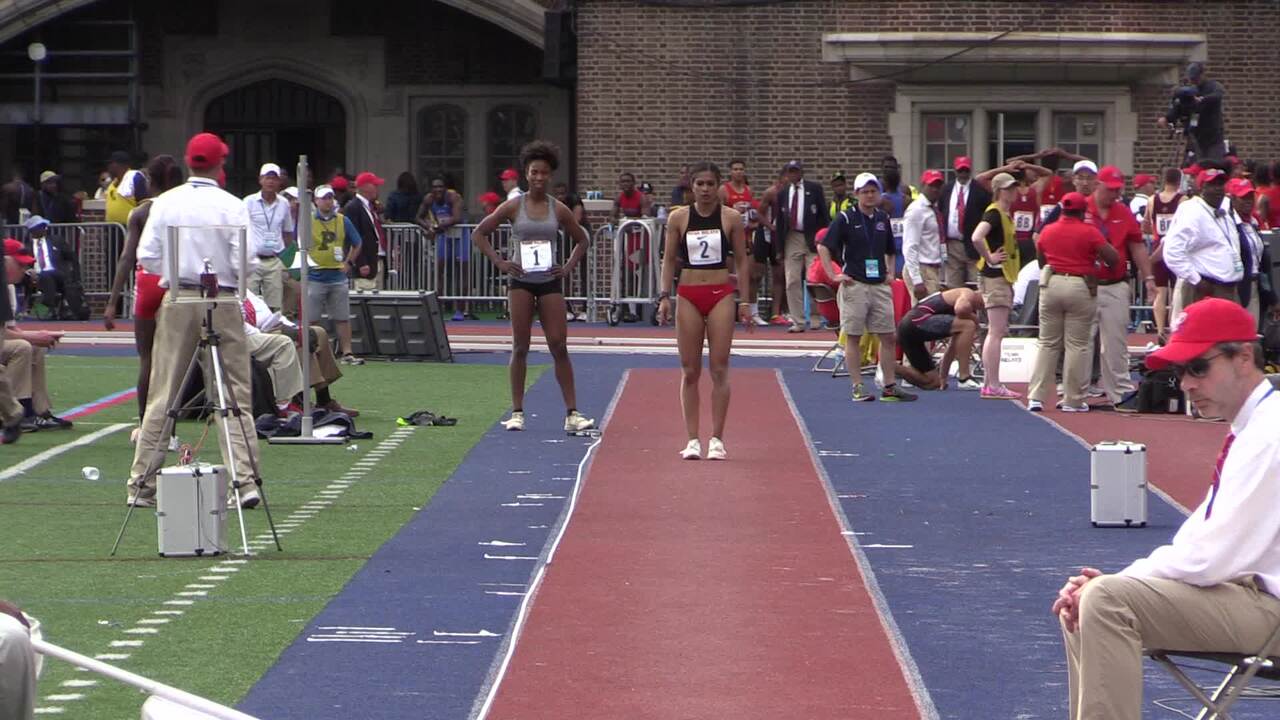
276 121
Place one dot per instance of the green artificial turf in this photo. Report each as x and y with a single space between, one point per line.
58 529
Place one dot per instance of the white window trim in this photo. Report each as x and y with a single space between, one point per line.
911 102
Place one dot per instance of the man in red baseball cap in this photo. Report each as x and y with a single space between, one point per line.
1201 248
962 203
922 240
1144 186
510 183
1216 585
368 265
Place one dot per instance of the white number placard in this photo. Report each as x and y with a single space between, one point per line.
1045 210
535 255
895 224
1024 221
1163 222
706 247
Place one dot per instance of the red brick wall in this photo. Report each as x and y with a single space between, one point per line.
659 86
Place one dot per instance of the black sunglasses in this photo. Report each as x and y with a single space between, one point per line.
1197 368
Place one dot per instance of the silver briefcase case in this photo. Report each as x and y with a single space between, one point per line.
1118 484
191 510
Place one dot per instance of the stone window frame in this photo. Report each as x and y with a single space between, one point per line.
441 164
497 162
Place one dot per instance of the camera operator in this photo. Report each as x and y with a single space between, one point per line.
196 205
1197 106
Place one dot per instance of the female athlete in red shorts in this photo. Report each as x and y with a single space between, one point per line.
703 236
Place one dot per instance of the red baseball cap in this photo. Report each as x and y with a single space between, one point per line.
205 151
490 198
1142 179
962 163
1110 176
1192 170
509 174
339 183
929 177
368 178
1074 201
1239 187
14 249
1201 326
1208 176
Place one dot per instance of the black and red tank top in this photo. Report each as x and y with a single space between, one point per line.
706 244
1162 215
930 306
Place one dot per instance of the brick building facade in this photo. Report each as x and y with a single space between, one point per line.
661 85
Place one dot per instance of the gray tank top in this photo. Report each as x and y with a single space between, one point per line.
533 243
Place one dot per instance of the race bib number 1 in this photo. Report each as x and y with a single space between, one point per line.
535 255
1163 222
1024 221
1045 210
895 224
706 247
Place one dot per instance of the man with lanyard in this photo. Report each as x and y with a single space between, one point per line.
1256 293
895 199
1122 231
271 231
1216 585
922 241
1202 248
334 239
198 206
861 243
127 189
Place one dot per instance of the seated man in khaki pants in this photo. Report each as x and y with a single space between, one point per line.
1214 587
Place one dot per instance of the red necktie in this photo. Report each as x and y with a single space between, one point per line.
795 207
960 211
1217 473
942 233
250 315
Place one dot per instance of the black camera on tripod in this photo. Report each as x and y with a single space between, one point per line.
1182 107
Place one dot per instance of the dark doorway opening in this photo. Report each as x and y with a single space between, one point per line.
276 121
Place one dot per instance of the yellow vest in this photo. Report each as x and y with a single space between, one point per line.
119 206
1011 263
326 237
845 204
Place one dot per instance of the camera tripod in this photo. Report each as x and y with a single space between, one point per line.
225 407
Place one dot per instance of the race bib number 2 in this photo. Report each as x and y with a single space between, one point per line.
535 255
706 247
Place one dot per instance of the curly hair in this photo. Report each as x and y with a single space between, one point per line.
540 150
164 173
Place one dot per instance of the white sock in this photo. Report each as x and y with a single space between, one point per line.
755 308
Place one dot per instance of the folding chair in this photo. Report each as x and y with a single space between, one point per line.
1240 670
1026 323
832 361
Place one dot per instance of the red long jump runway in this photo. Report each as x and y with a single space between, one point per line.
699 589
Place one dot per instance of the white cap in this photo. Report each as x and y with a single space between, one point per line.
865 179
269 168
291 191
323 191
1085 165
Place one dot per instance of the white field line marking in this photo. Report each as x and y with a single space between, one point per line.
50 710
484 700
112 656
53 452
78 683
910 671
1150 486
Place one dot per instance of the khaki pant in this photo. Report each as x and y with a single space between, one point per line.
10 410
292 294
26 369
280 356
959 268
1066 320
324 366
931 278
1113 333
177 332
1119 616
796 259
17 670
267 281
363 284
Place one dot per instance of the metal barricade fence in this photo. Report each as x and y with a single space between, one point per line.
636 256
96 247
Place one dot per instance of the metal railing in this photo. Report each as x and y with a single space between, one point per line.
96 246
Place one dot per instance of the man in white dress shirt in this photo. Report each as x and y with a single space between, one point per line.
271 230
1214 588
922 243
1202 248
198 203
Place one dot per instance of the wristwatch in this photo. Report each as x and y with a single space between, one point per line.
664 295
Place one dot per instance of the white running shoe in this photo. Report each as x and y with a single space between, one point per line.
715 449
516 422
971 384
1035 406
759 321
692 451
575 422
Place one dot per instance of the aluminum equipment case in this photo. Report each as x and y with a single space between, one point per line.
191 510
1118 484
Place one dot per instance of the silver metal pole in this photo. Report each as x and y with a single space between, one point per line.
304 323
999 139
151 687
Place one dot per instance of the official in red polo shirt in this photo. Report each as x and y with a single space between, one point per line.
1122 231
1069 251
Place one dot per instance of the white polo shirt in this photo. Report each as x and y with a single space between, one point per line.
195 206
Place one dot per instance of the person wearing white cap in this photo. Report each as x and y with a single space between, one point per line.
271 230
